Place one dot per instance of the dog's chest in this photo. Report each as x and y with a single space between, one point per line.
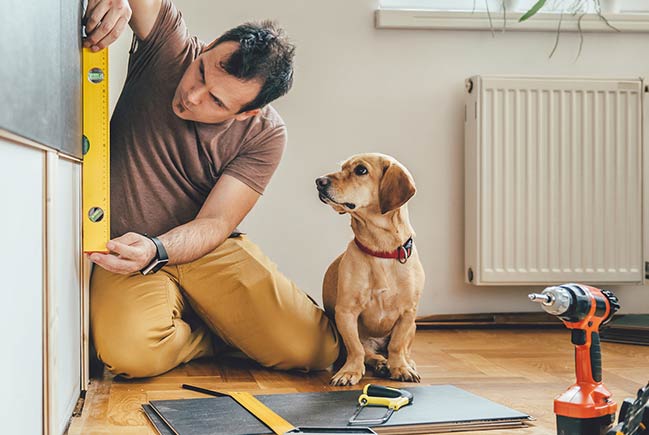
381 310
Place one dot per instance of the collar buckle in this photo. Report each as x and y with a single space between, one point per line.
405 251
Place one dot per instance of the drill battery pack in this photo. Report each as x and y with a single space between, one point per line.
585 426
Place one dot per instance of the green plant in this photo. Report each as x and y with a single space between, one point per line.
576 8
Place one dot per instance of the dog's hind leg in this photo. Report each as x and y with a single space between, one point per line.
374 357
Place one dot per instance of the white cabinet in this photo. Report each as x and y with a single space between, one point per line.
64 290
43 289
22 261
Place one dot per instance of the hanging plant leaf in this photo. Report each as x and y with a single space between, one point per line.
533 10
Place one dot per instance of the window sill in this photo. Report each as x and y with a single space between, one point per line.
543 22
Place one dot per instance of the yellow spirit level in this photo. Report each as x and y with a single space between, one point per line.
96 151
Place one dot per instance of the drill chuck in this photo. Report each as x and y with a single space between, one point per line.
554 300
536 297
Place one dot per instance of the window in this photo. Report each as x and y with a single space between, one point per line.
634 6
495 5
445 5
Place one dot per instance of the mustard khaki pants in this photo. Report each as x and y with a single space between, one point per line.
147 325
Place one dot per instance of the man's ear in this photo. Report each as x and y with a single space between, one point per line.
396 188
245 115
211 45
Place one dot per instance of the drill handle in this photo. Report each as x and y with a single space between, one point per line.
596 357
588 355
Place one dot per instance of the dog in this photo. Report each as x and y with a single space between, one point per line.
372 290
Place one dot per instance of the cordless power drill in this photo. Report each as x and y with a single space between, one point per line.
586 407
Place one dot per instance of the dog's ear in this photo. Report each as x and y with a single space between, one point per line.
396 187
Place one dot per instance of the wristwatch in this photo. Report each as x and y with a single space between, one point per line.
159 260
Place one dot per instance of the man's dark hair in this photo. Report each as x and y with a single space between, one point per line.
264 54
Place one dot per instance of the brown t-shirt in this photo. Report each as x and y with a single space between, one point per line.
163 167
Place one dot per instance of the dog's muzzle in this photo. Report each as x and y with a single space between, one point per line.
323 184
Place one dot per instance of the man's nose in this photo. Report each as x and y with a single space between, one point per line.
195 95
322 182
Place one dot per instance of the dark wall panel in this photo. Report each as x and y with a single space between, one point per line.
40 61
71 110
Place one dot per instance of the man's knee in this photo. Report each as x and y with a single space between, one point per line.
132 322
133 355
136 345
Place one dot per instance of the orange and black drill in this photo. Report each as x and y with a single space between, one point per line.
586 407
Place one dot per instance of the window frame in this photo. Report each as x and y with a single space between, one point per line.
411 14
626 6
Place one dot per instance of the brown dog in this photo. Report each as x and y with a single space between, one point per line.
372 289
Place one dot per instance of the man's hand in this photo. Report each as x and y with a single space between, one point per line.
105 20
129 253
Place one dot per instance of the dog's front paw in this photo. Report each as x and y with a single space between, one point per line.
347 376
405 374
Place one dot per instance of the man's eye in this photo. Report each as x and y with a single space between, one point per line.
360 170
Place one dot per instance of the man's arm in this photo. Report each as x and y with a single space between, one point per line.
227 204
105 20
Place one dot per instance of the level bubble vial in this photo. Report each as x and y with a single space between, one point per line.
96 214
96 75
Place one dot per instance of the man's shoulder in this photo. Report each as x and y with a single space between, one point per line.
270 117
267 123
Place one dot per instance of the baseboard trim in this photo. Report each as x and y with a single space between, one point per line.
495 320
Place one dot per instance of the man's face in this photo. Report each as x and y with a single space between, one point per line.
207 93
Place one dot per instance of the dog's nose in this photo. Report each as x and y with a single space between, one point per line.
322 182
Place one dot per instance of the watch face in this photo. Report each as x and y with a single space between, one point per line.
160 264
154 266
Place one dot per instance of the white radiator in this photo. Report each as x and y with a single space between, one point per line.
553 180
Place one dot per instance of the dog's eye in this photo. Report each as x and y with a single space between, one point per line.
360 170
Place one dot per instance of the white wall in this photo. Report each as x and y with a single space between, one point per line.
360 89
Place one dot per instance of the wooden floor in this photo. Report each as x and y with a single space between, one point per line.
522 369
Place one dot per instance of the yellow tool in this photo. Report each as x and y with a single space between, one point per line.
96 151
634 415
377 395
259 410
276 423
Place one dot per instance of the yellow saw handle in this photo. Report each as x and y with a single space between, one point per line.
378 395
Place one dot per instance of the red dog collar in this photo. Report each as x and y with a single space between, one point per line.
402 253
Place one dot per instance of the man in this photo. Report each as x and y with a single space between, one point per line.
193 145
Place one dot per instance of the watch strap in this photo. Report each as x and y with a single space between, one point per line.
161 252
159 260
